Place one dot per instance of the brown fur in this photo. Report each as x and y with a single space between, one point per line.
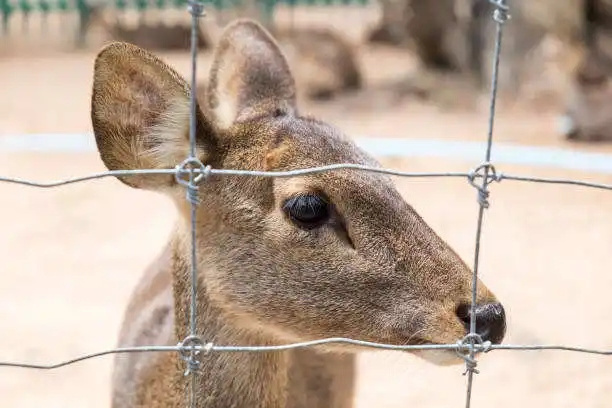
432 27
375 271
391 28
458 37
158 36
324 62
588 109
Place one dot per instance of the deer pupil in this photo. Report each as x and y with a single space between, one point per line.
309 210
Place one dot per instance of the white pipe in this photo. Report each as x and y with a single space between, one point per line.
503 153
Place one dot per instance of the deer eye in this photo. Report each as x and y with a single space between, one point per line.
307 210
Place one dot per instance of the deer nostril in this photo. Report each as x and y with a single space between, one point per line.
490 320
463 313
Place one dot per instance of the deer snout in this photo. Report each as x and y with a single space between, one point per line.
490 320
567 127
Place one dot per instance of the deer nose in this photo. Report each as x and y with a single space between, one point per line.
490 320
567 127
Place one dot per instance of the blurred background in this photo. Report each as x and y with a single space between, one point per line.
409 80
357 55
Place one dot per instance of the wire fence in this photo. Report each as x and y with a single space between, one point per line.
192 172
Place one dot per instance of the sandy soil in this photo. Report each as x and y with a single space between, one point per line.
71 255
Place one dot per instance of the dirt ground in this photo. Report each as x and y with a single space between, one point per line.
71 255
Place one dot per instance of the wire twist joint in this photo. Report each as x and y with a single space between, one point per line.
189 351
501 13
196 8
487 172
197 172
468 346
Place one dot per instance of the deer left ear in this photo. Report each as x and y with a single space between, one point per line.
249 77
140 109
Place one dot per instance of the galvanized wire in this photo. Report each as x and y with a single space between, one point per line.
210 348
471 175
191 172
500 16
196 9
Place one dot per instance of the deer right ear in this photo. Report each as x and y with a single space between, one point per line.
250 77
140 111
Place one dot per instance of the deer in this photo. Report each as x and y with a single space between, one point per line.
324 63
331 254
586 117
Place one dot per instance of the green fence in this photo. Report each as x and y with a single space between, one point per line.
9 8
83 8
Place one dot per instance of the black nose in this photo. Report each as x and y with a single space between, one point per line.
490 320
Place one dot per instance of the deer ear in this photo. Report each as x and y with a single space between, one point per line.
140 115
250 77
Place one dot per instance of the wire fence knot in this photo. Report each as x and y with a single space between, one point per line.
501 13
466 349
189 351
196 8
197 173
487 172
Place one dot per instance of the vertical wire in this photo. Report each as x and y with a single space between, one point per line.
196 9
500 16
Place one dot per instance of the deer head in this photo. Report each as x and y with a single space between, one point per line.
331 254
588 116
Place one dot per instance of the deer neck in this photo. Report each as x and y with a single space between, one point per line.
229 378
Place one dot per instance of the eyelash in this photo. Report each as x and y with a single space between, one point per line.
307 210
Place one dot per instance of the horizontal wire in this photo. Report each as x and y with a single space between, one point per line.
228 172
299 172
334 340
292 173
569 182
94 176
